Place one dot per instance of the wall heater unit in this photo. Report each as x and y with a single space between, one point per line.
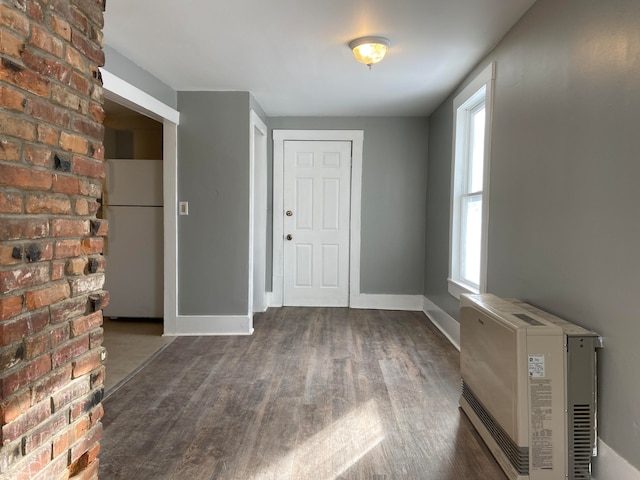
529 387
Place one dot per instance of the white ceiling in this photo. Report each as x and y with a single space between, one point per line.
293 55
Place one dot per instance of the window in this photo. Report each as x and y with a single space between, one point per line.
469 193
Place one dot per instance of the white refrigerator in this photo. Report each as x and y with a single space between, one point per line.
134 248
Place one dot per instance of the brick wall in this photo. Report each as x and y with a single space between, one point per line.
51 264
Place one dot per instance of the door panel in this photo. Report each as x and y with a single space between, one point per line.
317 192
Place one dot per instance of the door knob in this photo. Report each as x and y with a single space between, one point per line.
289 237
289 213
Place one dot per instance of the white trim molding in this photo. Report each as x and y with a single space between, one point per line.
356 137
444 322
212 325
408 303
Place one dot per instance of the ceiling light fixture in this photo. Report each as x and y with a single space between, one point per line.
369 50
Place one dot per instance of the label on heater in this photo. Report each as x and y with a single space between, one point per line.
541 425
536 366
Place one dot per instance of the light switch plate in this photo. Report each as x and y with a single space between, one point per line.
183 208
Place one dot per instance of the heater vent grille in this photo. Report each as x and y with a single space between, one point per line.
518 456
582 441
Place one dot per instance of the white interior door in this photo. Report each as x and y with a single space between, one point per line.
317 196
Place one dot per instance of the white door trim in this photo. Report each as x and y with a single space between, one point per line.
279 137
132 97
257 213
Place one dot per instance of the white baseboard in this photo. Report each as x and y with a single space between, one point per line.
210 325
409 303
444 322
608 465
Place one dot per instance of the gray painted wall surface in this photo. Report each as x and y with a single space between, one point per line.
393 197
213 176
563 226
125 69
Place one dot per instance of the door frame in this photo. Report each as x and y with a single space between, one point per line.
257 301
356 137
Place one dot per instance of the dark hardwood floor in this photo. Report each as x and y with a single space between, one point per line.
314 393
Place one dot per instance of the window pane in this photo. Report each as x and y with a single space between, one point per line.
477 149
471 237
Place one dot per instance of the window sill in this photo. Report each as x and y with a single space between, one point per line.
456 288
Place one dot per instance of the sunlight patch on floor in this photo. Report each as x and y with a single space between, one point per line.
332 451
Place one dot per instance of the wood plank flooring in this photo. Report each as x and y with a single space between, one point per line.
314 393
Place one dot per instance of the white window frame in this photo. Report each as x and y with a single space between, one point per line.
469 98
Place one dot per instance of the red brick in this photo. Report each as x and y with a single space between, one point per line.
98 151
82 207
88 284
14 19
43 433
57 270
26 178
82 325
91 188
26 276
61 227
9 150
35 463
97 377
47 296
86 443
80 83
47 67
60 334
14 126
23 228
49 135
69 309
12 99
69 394
61 444
65 184
55 204
10 255
68 351
46 386
37 345
67 248
10 202
15 330
60 27
87 472
12 407
25 375
10 307
39 156
26 422
74 58
11 356
88 127
56 469
74 143
34 10
88 167
100 300
92 245
66 98
76 266
87 363
17 75
42 109
97 112
97 264
10 44
87 47
45 41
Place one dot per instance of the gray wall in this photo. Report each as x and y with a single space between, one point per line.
127 70
563 225
213 176
393 197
